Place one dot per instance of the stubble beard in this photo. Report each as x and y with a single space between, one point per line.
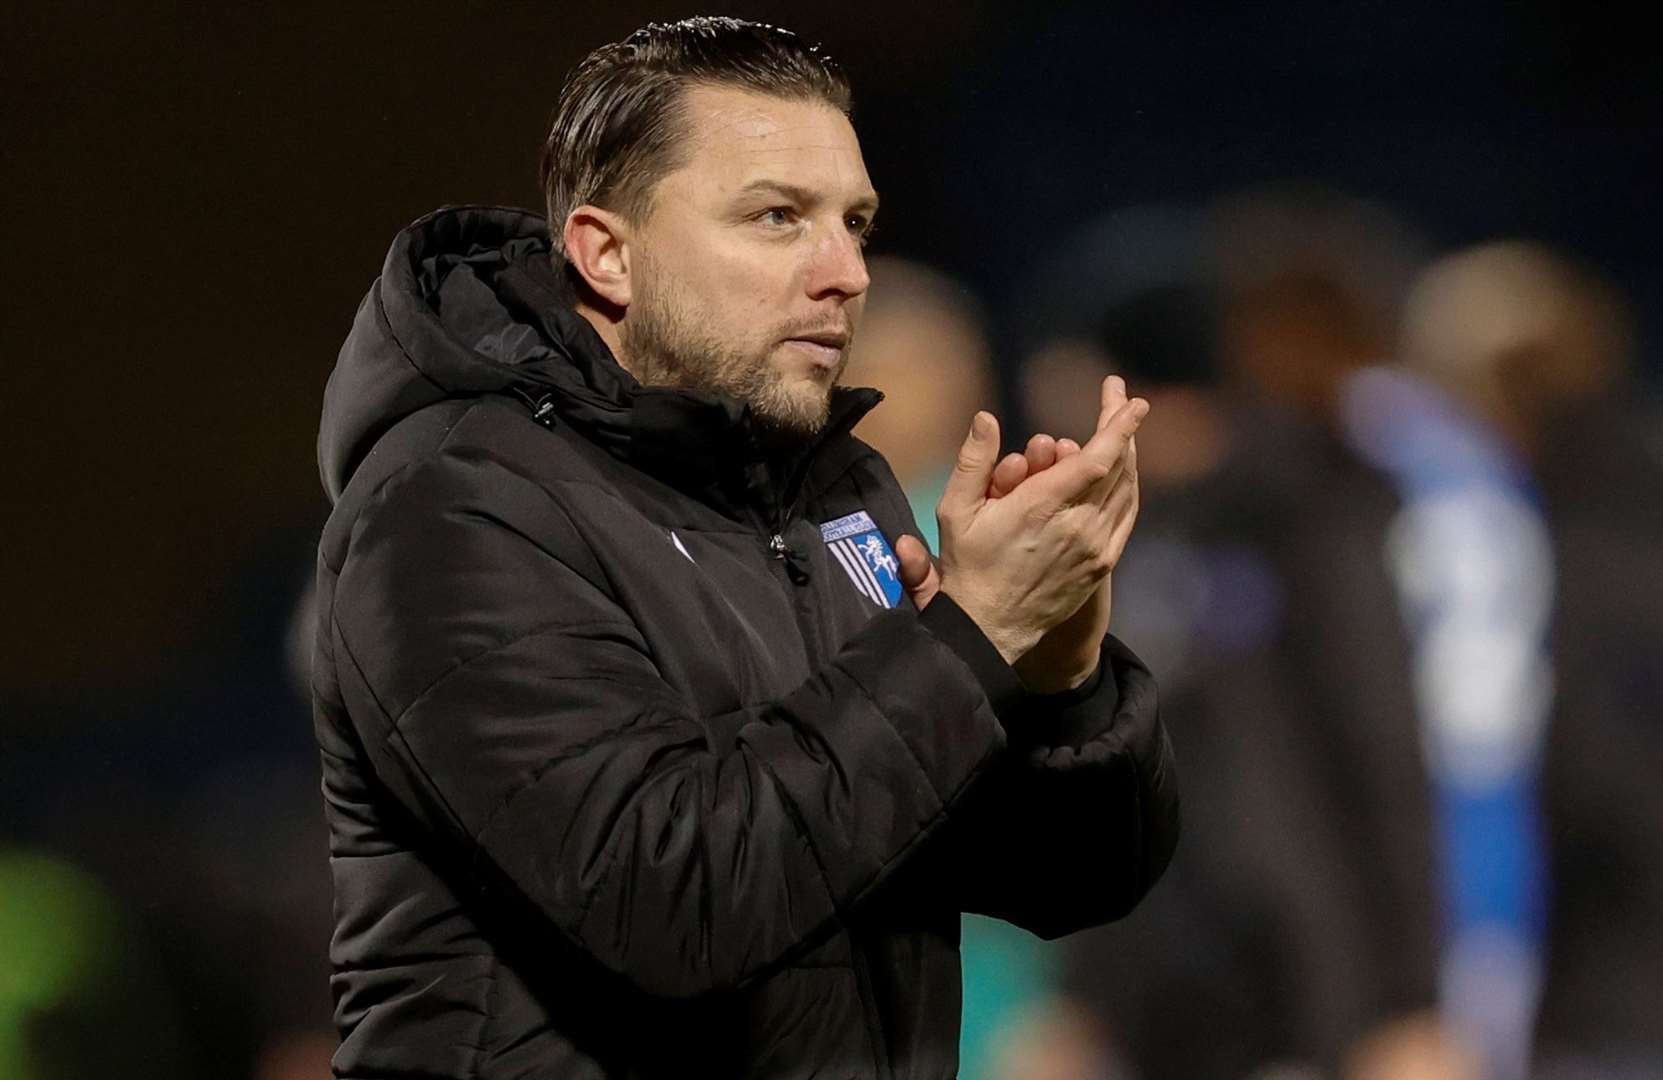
664 345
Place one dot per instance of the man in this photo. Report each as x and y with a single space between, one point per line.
635 765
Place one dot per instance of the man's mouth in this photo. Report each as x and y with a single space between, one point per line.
831 339
825 348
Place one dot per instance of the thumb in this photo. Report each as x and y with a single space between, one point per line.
918 573
967 486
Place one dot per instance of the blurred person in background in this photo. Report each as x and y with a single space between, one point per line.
631 718
1270 934
1314 284
1534 604
1139 305
1440 583
1428 838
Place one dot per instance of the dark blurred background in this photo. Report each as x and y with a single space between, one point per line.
199 195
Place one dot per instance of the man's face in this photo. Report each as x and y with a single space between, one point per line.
747 275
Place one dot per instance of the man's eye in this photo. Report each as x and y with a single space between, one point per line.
777 215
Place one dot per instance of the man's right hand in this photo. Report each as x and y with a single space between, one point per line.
1021 564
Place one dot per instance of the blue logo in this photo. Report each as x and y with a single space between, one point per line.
858 545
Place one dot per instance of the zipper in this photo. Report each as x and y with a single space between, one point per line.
790 495
542 407
796 566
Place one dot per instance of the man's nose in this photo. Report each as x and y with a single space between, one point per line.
839 265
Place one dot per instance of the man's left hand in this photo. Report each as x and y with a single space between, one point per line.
1068 655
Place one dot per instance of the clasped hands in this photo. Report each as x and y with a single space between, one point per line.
1028 542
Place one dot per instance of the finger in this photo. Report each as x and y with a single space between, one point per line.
967 486
1067 448
1112 446
915 561
1121 513
1041 453
919 575
1126 469
1106 448
1111 396
1088 476
1011 471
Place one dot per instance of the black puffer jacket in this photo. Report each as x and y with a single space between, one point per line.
615 788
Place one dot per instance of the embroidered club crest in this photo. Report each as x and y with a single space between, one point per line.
858 545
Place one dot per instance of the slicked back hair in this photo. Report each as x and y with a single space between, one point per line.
620 122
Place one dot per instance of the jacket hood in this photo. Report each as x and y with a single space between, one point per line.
469 303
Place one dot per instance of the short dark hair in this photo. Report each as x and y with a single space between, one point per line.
621 113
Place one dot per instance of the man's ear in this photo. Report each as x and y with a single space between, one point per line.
598 247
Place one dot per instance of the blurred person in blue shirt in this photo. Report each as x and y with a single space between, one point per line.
1429 837
1533 603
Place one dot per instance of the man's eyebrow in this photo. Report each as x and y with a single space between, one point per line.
803 196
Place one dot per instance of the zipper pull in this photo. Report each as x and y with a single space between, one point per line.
542 408
794 568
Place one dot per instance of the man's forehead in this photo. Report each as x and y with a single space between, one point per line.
745 134
730 113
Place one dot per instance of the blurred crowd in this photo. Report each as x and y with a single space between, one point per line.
1396 571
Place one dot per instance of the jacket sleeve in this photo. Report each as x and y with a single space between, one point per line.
1080 816
514 708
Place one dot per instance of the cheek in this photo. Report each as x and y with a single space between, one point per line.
722 294
770 281
756 295
739 290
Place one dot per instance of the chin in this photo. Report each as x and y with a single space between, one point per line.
799 416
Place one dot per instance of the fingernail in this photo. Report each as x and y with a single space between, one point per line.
981 425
